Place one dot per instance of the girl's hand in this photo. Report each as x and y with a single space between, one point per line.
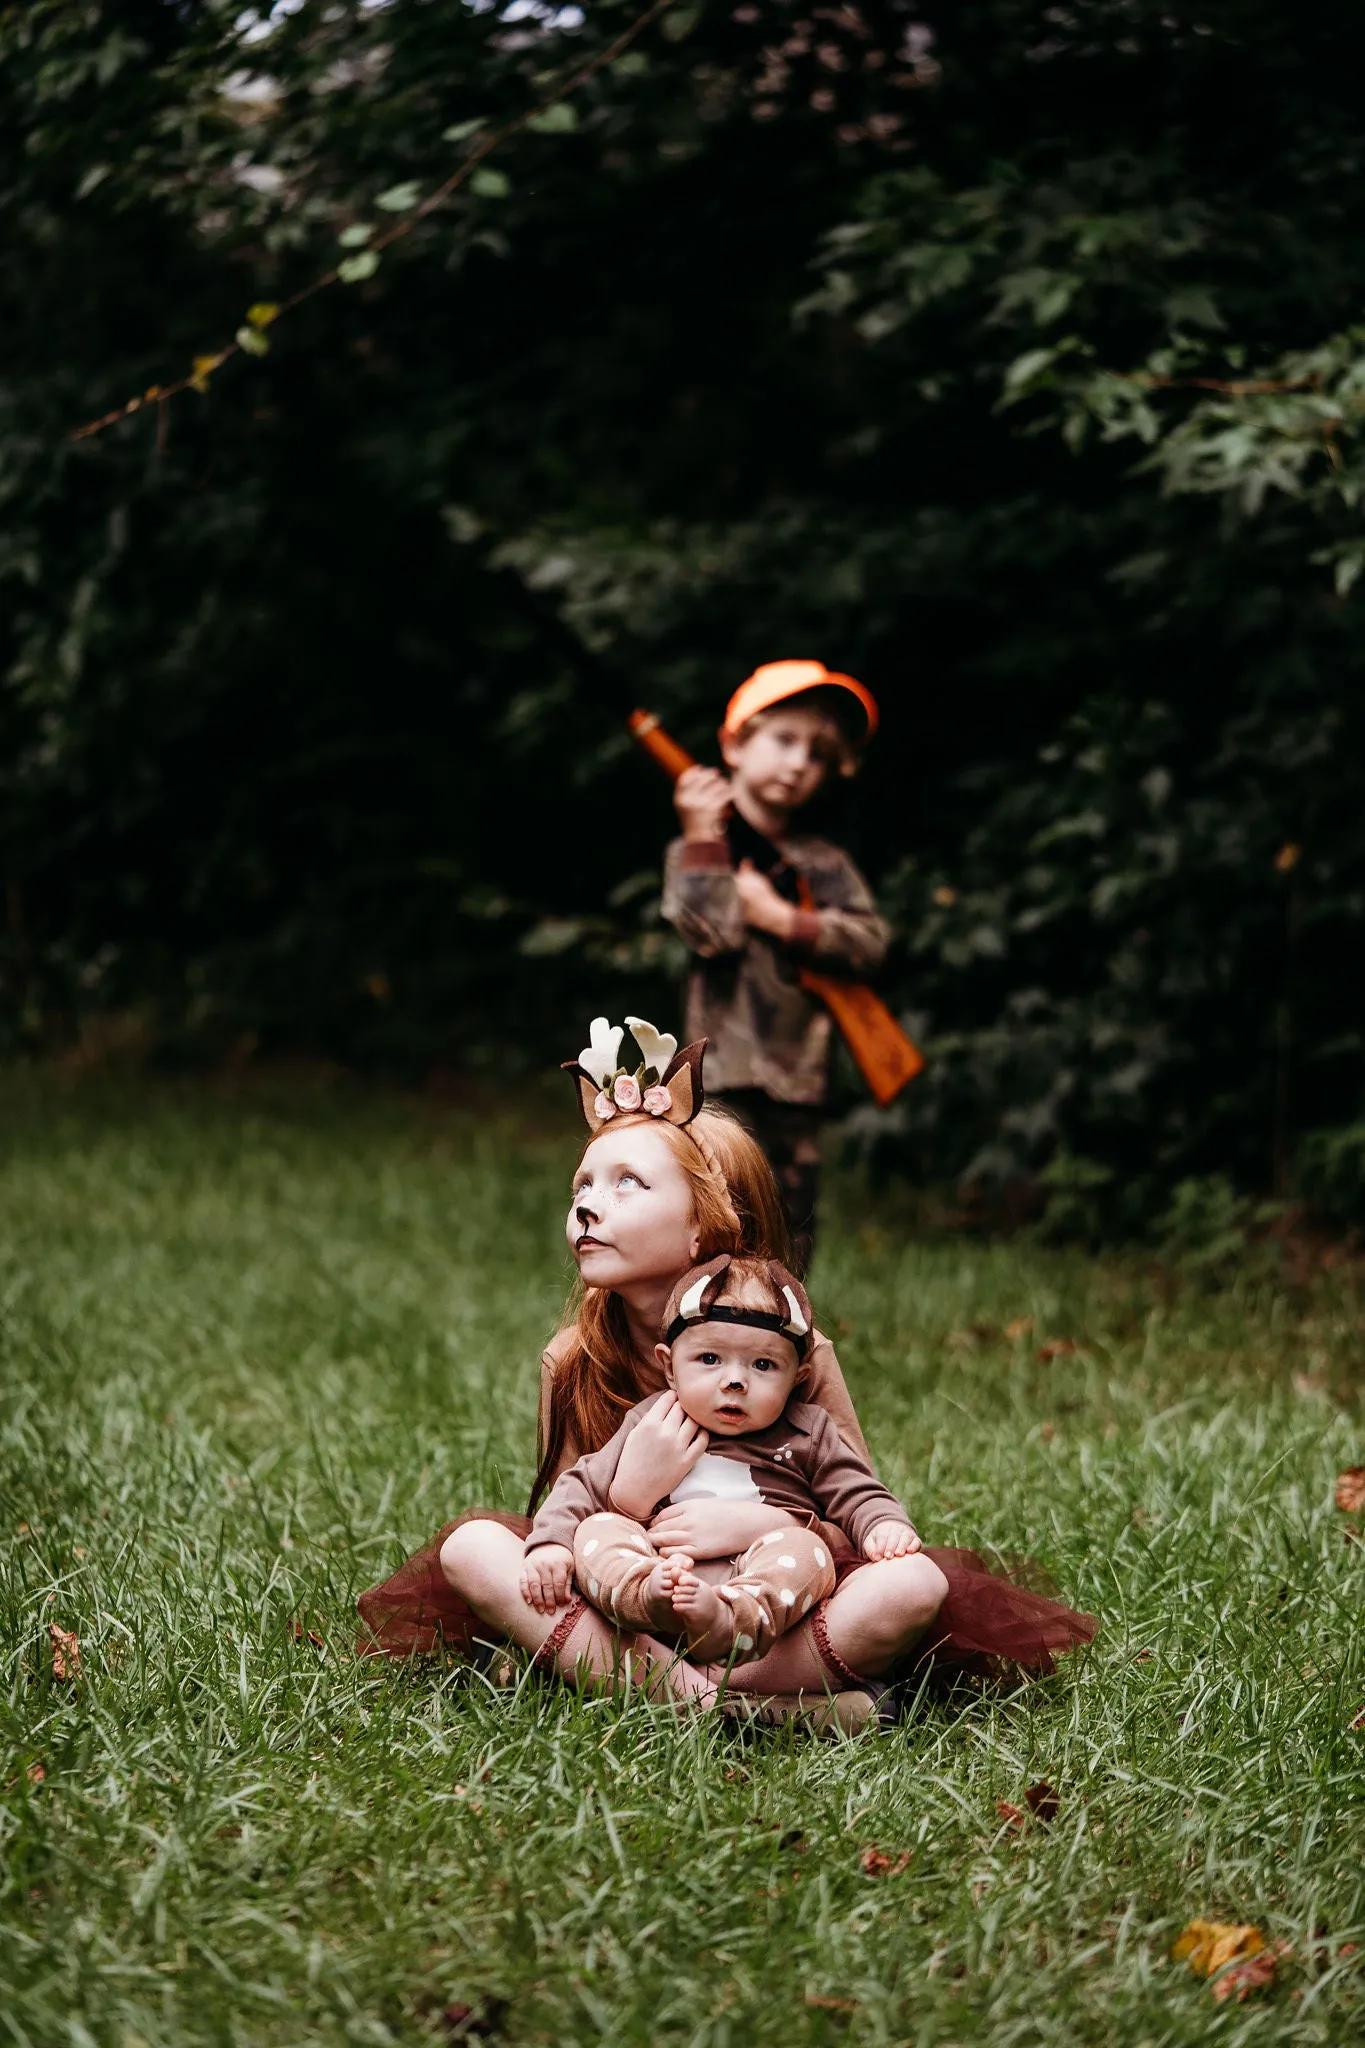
712 1528
547 1578
659 1452
701 797
764 910
891 1539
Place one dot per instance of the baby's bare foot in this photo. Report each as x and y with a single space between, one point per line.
708 1620
658 1589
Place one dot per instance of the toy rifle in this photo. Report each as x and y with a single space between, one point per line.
883 1054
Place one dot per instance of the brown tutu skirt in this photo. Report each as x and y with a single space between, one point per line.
989 1623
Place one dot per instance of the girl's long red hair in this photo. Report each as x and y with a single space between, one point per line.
736 1208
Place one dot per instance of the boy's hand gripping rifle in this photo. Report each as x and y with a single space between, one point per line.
884 1056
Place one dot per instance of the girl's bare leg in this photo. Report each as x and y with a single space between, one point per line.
482 1561
872 1620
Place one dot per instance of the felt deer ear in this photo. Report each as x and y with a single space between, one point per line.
589 1094
684 1083
692 1308
794 1296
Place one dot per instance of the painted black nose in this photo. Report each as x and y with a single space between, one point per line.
585 1215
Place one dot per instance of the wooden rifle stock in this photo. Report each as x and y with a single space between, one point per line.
883 1054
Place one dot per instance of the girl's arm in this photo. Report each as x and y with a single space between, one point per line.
824 1386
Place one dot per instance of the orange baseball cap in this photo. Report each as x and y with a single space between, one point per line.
778 680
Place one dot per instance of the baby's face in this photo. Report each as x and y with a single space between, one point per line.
730 1378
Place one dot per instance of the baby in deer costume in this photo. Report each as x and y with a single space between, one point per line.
733 1349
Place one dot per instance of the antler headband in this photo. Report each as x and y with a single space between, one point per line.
667 1084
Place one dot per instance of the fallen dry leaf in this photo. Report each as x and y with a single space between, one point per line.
823 2004
876 1863
1359 1721
1206 1945
1042 1802
1250 1973
472 2022
1060 1347
66 1652
1307 1385
1013 1816
1020 1327
1048 1431
35 1774
1351 1489
311 1635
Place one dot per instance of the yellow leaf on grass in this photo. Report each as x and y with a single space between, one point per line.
1351 1489
1206 1945
66 1652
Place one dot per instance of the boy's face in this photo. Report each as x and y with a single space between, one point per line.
782 757
728 1377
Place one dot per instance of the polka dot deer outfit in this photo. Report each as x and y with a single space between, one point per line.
799 1463
772 1586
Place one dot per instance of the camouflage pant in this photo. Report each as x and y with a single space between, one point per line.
789 1133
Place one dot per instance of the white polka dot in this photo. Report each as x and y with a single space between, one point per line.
773 1536
787 1597
820 1558
807 1603
594 1590
750 1586
727 1593
786 1564
744 1642
591 1545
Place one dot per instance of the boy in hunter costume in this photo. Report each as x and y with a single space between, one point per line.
755 904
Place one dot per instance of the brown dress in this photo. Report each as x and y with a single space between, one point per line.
988 1620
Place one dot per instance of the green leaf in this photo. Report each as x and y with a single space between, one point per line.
355 236
96 175
557 120
252 342
355 269
461 130
679 22
400 198
490 184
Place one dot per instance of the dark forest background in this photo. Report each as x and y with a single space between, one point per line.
1003 355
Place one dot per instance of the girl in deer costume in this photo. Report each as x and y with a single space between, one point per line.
665 1183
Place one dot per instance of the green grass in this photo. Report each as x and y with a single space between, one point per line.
255 1349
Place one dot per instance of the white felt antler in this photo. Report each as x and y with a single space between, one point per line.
600 1056
657 1047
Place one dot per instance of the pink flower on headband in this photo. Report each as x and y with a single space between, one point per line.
658 1101
626 1091
603 1107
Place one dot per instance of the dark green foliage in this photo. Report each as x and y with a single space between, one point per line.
860 334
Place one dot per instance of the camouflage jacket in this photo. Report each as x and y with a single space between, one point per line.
743 992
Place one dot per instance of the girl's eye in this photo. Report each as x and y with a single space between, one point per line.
630 1180
709 1358
764 1365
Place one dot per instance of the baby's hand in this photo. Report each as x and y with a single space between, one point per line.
660 1451
891 1539
546 1577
